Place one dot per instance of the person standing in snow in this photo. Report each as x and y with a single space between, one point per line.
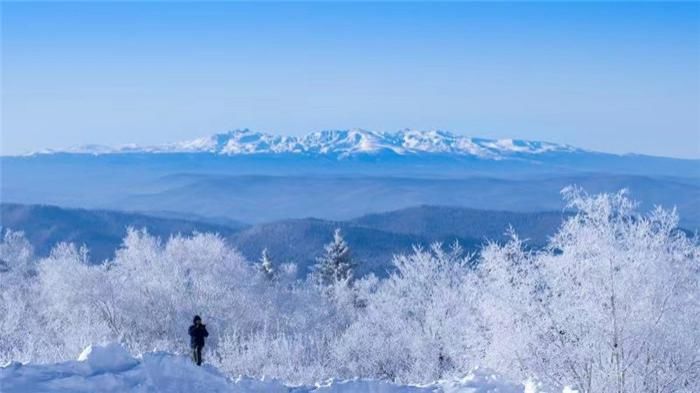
198 331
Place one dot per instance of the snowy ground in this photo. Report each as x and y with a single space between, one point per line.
110 368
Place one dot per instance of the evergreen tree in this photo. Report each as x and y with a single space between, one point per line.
265 265
335 264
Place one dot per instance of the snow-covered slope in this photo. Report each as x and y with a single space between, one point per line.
340 143
111 369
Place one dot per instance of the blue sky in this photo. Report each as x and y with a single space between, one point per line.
617 77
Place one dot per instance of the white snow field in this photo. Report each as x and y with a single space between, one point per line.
110 368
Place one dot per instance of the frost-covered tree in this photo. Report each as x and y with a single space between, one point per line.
16 255
17 271
421 323
265 265
335 265
170 282
70 293
610 306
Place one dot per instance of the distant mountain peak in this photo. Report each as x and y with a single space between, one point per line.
339 143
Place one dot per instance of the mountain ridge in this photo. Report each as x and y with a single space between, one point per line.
338 143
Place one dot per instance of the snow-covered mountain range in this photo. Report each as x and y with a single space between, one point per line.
340 143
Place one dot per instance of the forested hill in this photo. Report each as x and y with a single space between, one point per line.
100 230
373 238
439 222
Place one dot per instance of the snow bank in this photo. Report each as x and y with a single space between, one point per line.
109 357
110 368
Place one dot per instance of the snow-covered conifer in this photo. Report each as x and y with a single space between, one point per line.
265 265
335 265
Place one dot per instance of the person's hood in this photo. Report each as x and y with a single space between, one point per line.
196 318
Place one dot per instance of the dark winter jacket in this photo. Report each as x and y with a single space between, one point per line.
197 334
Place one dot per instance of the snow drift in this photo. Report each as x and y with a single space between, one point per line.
110 368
